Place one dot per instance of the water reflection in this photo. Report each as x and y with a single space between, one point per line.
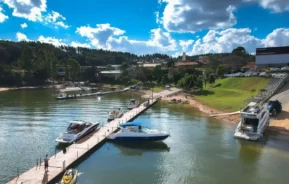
137 148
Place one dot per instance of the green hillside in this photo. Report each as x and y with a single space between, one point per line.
229 94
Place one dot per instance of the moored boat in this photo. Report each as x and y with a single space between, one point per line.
69 177
76 130
114 113
254 120
135 132
133 103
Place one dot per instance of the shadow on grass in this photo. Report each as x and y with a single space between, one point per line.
217 85
204 93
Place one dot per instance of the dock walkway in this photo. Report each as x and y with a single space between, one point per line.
59 162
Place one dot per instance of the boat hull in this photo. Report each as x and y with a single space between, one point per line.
140 138
91 129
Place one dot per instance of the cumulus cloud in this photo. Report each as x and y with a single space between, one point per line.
185 44
225 41
24 25
51 40
21 37
100 34
106 37
195 15
276 6
2 16
28 9
77 44
158 18
57 19
279 37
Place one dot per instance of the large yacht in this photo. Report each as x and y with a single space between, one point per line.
135 132
77 130
254 120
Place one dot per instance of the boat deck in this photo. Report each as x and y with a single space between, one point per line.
60 161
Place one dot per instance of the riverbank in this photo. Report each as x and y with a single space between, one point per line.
2 89
209 111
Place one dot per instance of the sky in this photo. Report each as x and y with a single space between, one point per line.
149 26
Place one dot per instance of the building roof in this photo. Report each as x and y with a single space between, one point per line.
186 63
111 72
151 65
250 65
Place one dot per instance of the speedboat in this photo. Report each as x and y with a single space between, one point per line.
135 132
69 177
254 120
76 130
133 103
115 113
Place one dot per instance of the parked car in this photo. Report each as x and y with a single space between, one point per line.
168 86
274 107
264 74
274 69
285 68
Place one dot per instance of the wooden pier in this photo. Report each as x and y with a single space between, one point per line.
60 161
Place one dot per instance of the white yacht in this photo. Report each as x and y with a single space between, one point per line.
254 120
76 130
114 113
135 132
133 103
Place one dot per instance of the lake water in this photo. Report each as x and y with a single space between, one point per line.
200 149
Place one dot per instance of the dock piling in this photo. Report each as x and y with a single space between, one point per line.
63 165
77 154
36 162
40 162
18 172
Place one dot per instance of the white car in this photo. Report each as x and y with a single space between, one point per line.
285 68
274 69
264 74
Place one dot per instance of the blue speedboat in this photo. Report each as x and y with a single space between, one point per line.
135 132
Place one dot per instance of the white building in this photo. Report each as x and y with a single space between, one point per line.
277 56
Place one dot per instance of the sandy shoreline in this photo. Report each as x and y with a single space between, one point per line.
233 119
2 89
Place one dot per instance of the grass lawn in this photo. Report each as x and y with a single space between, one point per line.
229 94
158 89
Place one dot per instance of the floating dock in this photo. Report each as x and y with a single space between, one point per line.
59 162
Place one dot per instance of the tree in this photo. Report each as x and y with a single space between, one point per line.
74 69
239 51
211 79
221 70
187 82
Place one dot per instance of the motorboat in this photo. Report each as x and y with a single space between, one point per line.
135 132
133 103
69 177
76 130
114 113
254 120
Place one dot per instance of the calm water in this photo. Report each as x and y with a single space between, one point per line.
200 149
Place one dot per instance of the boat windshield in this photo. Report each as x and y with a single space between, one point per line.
75 128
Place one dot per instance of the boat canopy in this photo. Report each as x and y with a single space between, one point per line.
70 89
128 124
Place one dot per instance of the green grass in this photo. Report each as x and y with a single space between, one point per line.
158 89
229 94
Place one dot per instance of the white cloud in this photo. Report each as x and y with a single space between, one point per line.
100 34
77 44
225 41
21 37
2 16
56 19
28 9
185 44
106 37
274 5
158 18
51 40
279 37
24 25
195 15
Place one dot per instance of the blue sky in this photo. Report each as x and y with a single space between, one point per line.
149 26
